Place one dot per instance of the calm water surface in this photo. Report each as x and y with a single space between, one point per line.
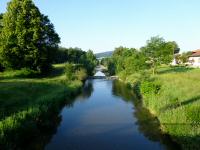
107 116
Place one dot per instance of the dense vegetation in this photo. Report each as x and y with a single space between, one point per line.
126 61
28 38
77 56
32 90
170 93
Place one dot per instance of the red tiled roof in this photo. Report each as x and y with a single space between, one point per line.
195 53
198 50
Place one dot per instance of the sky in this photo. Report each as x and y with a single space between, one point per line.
102 25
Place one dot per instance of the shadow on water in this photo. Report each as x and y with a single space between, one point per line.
148 125
47 124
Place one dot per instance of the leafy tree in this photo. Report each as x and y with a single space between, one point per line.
91 62
28 38
81 74
184 56
1 26
159 52
1 22
69 71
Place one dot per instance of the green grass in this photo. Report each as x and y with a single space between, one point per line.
176 103
24 100
173 96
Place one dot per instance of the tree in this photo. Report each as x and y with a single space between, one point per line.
1 26
91 62
69 71
1 22
159 52
184 56
28 38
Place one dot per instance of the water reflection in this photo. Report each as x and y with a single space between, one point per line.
108 116
147 123
43 132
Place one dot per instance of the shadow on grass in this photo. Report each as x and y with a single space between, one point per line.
180 104
27 73
19 96
178 69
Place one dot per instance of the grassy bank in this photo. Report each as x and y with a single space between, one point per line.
173 96
27 103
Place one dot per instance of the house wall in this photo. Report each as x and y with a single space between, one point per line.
195 61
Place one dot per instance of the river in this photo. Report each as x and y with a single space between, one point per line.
108 116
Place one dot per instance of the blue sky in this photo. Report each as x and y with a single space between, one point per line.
102 25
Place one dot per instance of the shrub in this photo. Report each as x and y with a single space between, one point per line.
69 71
1 68
150 87
81 74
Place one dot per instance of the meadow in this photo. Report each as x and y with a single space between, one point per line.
171 95
28 100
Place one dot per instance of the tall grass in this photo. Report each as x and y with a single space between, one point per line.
176 103
173 96
26 102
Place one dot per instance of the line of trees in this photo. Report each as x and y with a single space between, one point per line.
28 40
157 51
77 56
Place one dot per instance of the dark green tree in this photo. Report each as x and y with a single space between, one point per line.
28 38
91 62
1 26
1 22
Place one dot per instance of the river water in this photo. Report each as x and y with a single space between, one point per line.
108 116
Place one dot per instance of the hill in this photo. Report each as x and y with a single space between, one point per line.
104 54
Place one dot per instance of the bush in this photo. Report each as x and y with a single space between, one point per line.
81 74
69 71
1 68
150 87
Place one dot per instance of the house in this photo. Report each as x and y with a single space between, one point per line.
194 59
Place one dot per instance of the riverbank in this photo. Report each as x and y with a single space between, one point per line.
172 95
27 104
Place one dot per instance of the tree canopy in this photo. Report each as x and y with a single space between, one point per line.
129 60
77 56
158 51
28 38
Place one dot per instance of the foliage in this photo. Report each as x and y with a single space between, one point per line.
150 86
28 38
109 63
126 61
81 74
69 71
1 22
1 26
77 56
184 56
75 72
159 52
